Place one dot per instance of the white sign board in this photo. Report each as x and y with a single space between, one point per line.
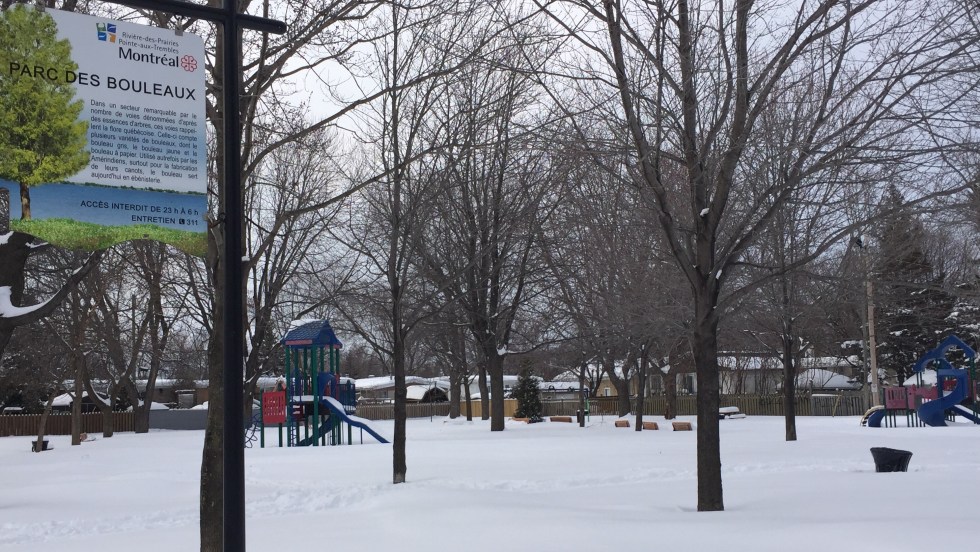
143 91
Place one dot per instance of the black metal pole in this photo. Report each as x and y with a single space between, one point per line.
234 293
232 330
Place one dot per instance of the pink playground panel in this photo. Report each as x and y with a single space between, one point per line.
908 398
897 398
926 393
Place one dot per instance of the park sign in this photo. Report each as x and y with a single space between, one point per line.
102 130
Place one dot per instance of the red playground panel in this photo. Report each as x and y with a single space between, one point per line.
274 407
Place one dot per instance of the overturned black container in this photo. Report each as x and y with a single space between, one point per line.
890 460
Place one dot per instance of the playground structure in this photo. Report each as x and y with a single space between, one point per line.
925 404
316 405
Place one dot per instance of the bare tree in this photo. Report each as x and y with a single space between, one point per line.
421 46
693 81
500 188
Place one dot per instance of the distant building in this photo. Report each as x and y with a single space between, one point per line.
63 402
382 389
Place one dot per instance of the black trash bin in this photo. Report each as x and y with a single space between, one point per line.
580 417
890 460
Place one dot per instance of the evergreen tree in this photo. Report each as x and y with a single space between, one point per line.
911 303
964 319
527 395
41 138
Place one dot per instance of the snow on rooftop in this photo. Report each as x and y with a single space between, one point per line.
65 399
817 378
384 382
558 385
169 383
302 322
417 392
925 377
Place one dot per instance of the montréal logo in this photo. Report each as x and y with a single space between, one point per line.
106 31
188 63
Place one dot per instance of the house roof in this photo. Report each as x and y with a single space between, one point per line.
735 362
419 392
558 385
927 377
387 382
167 383
816 378
65 399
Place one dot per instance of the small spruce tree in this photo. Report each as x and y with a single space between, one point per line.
527 395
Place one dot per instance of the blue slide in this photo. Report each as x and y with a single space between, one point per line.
874 419
933 413
338 409
967 413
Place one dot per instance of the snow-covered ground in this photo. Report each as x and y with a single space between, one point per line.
541 487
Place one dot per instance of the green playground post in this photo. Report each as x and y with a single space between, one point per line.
315 387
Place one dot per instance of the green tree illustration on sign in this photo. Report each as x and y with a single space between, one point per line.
41 138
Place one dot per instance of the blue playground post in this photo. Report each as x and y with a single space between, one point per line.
935 412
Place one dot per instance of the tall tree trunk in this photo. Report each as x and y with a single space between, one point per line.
469 399
76 403
43 422
789 387
141 413
710 496
495 365
212 468
625 405
484 392
670 394
399 461
105 408
108 419
458 375
454 383
641 388
622 384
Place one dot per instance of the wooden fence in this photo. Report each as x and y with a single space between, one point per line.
417 410
752 405
58 423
